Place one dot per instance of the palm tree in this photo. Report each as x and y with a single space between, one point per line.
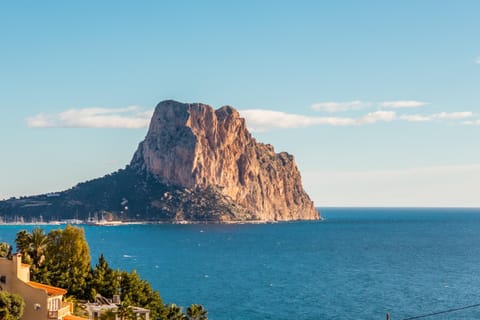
174 312
5 250
38 244
196 312
32 245
23 241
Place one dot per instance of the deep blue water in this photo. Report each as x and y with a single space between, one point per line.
357 264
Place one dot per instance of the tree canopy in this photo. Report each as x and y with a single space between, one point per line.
196 312
105 281
11 306
5 250
68 260
32 246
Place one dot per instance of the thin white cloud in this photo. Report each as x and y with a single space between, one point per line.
377 116
340 106
263 120
453 115
477 60
332 106
472 122
403 104
135 117
132 117
416 118
437 116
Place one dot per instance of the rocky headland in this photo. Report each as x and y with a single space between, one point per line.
196 164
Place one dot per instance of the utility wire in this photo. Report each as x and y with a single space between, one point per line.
442 312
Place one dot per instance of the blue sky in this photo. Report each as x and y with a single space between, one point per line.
379 101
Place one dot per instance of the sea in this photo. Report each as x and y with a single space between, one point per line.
358 263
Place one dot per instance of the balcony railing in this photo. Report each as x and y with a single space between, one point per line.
60 313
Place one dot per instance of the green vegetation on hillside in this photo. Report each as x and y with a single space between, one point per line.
126 195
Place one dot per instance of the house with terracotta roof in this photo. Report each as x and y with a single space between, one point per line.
42 302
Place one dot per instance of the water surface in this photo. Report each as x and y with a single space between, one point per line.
357 264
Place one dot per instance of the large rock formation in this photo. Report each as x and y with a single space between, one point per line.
195 164
196 147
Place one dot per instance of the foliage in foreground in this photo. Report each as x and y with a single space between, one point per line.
61 258
5 250
11 306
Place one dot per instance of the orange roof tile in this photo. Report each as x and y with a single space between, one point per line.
70 317
49 289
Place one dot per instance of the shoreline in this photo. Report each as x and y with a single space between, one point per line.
147 222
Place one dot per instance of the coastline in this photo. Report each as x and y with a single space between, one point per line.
147 222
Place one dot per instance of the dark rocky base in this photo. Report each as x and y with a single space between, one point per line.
128 195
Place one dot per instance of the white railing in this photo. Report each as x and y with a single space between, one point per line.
60 313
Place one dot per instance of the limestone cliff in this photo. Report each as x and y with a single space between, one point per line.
198 149
196 164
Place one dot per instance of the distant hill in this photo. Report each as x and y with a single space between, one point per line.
195 164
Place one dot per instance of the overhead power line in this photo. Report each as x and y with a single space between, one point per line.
442 312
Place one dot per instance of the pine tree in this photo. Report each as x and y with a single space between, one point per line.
105 280
138 292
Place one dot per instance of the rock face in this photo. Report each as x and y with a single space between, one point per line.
196 164
195 148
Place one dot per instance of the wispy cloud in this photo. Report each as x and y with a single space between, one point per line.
340 106
477 60
263 120
376 116
415 118
453 115
437 116
403 104
135 117
472 122
333 106
132 117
